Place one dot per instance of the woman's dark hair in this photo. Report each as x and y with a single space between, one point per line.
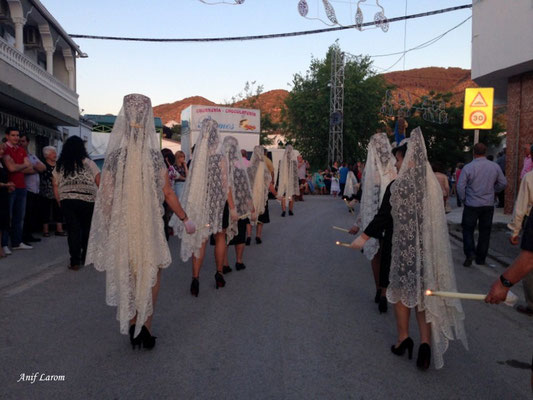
400 149
168 155
72 155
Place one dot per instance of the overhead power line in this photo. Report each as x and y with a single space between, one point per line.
273 35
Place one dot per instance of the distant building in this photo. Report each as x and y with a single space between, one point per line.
37 73
102 125
502 57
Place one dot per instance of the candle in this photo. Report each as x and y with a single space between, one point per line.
340 229
510 300
343 244
455 295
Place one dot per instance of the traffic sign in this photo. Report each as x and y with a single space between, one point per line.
479 103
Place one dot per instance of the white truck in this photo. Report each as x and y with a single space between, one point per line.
242 123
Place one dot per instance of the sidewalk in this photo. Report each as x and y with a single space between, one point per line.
501 251
25 264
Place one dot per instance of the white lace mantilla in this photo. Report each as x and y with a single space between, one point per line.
260 179
127 237
421 253
206 190
378 173
288 184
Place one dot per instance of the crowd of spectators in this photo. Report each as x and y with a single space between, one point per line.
27 202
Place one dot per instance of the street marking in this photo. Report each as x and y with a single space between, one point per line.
28 283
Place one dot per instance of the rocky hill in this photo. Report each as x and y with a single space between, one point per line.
170 113
416 83
412 84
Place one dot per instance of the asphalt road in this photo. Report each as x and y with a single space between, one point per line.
298 323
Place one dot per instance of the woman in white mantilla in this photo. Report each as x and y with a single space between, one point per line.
206 198
421 259
379 172
241 193
261 183
288 186
127 238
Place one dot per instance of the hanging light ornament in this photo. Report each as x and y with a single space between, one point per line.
359 16
330 11
380 19
303 8
239 1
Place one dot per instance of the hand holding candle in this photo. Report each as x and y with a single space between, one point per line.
340 229
510 300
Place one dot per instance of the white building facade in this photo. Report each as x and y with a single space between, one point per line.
502 57
37 73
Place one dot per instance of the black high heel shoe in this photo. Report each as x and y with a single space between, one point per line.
195 287
383 305
407 344
424 356
134 341
219 280
148 341
378 295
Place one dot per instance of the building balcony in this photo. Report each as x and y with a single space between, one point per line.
31 91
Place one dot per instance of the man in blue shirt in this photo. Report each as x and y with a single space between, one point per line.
478 182
343 174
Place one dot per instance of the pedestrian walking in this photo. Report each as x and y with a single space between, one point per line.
75 181
379 173
239 186
208 201
421 258
287 183
127 238
478 182
260 178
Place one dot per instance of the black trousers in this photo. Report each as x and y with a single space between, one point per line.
78 215
31 218
481 217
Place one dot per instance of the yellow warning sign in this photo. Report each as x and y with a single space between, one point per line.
479 103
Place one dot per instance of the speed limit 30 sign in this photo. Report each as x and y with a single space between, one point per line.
479 103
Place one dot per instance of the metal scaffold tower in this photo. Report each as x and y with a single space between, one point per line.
335 152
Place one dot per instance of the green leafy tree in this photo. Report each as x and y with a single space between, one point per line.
449 143
306 118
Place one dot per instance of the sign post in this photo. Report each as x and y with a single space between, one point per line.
478 110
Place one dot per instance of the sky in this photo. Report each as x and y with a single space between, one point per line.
167 72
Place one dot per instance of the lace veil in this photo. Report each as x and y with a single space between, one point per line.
238 182
350 189
379 172
127 237
206 189
288 174
421 253
260 179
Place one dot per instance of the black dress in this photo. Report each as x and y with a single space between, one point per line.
381 228
4 199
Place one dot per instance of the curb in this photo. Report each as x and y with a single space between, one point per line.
501 259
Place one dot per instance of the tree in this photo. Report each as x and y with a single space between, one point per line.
449 143
308 107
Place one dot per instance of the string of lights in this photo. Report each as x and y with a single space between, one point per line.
270 36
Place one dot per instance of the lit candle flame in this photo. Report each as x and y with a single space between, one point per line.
429 292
